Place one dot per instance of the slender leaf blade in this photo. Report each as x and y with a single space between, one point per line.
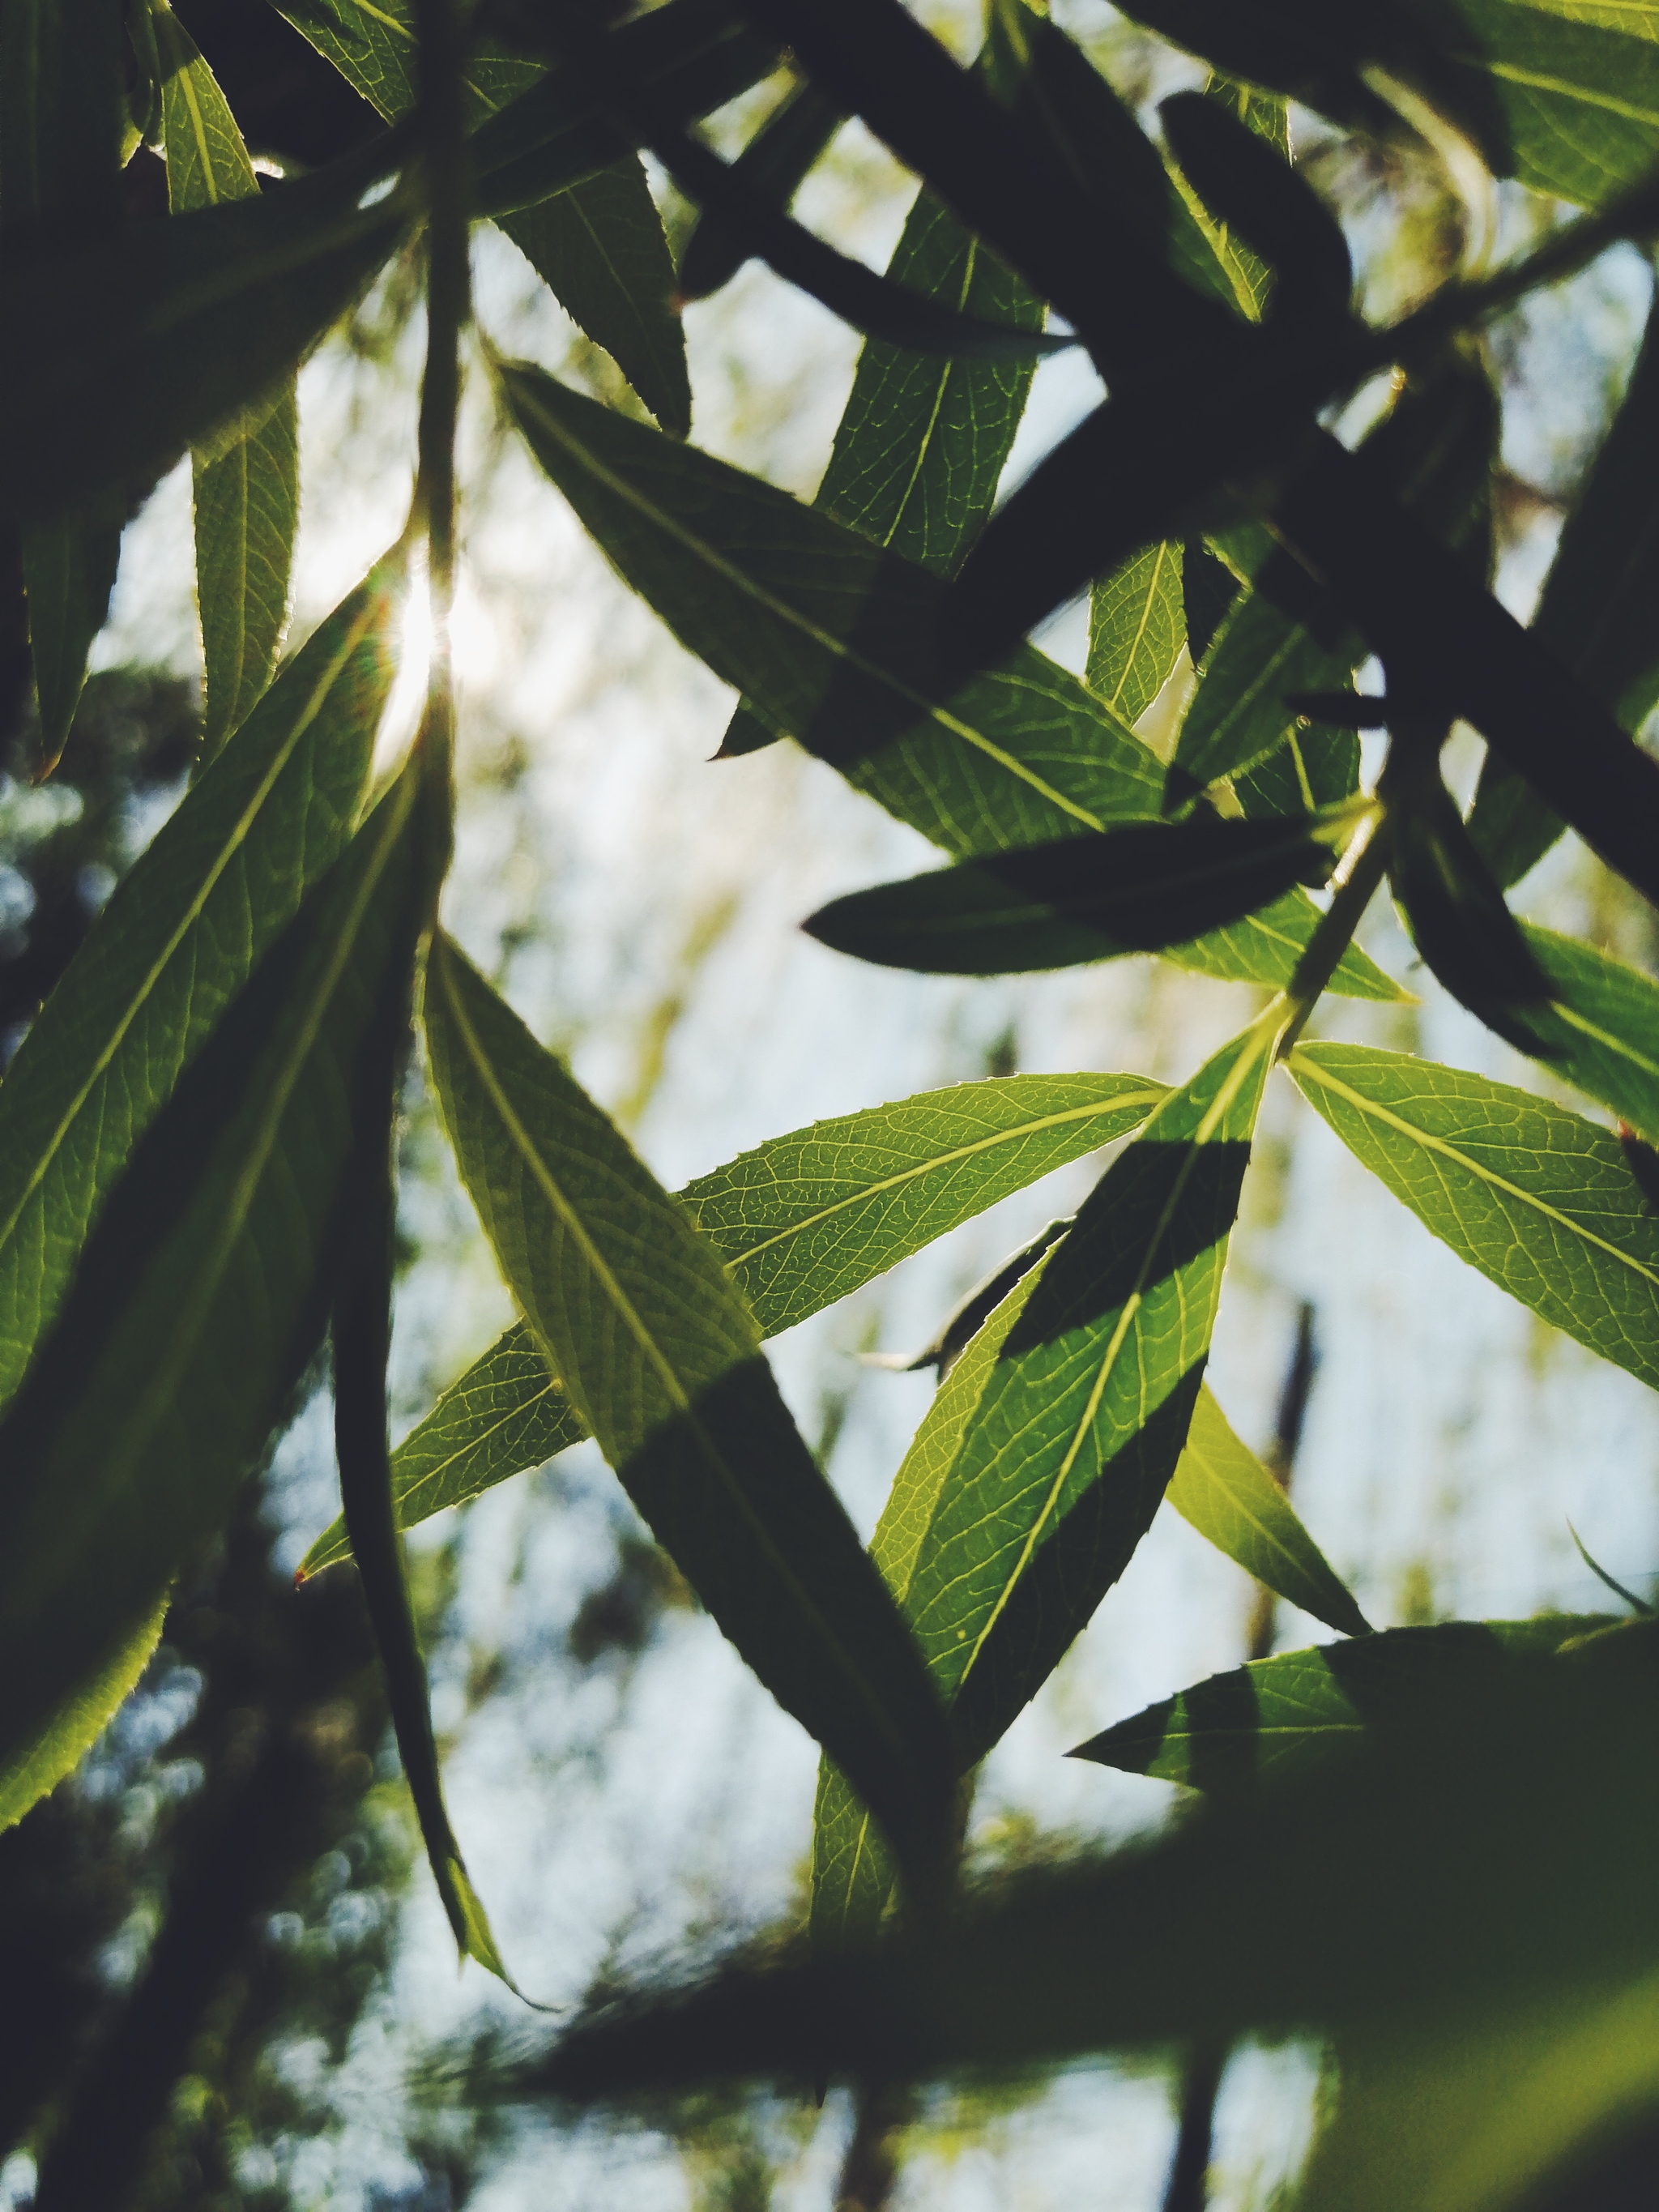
801 1221
200 1299
1137 628
1222 1489
37 1766
662 1358
1541 1201
1603 1026
173 948
68 573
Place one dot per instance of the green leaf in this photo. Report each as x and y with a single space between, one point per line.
41 1764
1137 627
1290 1716
1222 1490
922 440
1603 1026
1541 1201
1264 947
200 1297
173 948
171 334
1501 1850
661 1358
505 1415
1249 186
776 162
598 243
830 637
1239 713
1599 610
1238 275
68 573
247 501
1134 889
802 1220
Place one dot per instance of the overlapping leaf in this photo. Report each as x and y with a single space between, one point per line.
174 947
1221 1488
1290 1716
200 1300
1137 627
1602 1029
247 496
598 243
662 1358
1542 1202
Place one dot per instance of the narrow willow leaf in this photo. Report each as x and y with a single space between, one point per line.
1137 627
505 1415
247 501
361 1329
599 244
37 1769
200 1299
1541 1201
922 441
1603 1027
832 638
1135 890
1240 276
1288 1717
1251 187
1264 947
1084 1412
1222 1490
171 334
60 151
1239 714
173 948
776 161
1599 610
68 573
802 1220
1502 1848
662 1358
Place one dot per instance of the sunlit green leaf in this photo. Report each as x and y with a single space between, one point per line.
200 1300
247 498
1264 947
662 1358
41 1763
1603 1027
802 1220
597 243
171 948
1542 1201
1248 186
1290 1716
1222 1488
1137 627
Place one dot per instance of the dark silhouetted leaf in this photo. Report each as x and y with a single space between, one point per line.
661 1358
174 947
1242 180
1540 1201
1135 890
775 163
1222 1490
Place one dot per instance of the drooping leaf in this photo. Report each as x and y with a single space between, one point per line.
60 157
1137 627
41 1764
662 1359
1599 611
1290 1716
174 945
1222 1490
598 243
199 1299
1540 1201
802 1220
1501 1850
172 333
922 442
1134 889
1603 1026
776 162
247 498
831 637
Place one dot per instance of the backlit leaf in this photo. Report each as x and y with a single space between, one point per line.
247 498
173 948
802 1220
662 1359
1542 1201
1603 1027
1137 627
199 1301
1222 1490
41 1764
